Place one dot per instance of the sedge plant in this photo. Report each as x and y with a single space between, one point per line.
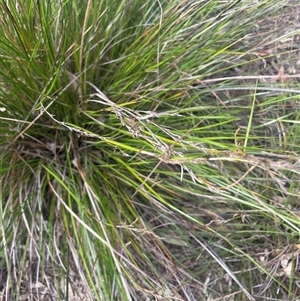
149 150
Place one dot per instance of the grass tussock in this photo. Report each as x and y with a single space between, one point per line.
149 150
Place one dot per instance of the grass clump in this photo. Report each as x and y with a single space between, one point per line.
148 150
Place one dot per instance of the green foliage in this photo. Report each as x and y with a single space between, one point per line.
148 148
